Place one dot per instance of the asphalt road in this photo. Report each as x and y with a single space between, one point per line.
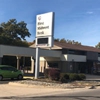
6 81
9 92
85 95
90 95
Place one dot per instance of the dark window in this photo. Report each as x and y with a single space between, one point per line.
53 65
11 69
8 68
3 68
76 52
71 52
42 40
98 54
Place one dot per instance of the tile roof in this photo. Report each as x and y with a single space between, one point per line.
76 47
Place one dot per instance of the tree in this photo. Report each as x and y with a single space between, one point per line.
98 45
62 40
13 33
67 41
57 40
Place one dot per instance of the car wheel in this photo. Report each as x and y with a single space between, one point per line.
1 77
20 77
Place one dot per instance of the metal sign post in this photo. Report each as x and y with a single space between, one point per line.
44 35
37 63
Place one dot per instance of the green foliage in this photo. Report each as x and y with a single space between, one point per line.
63 40
64 77
13 33
82 76
73 76
98 45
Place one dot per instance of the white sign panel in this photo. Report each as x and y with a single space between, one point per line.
44 24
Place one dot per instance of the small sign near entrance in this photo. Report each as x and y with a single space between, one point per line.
44 30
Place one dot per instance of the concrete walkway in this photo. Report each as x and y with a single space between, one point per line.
93 77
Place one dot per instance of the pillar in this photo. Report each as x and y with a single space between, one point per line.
0 60
32 64
18 62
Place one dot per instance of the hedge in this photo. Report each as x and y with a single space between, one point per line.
66 77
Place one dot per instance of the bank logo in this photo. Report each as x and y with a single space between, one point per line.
39 18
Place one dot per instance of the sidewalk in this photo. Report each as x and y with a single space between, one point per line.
93 77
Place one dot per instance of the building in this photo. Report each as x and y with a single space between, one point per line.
68 57
74 58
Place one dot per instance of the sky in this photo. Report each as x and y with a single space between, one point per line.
77 20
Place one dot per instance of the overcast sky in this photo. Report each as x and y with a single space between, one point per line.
77 20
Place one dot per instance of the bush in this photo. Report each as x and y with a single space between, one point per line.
54 74
82 76
73 76
64 77
46 72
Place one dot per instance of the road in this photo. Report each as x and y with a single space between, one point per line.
85 95
12 92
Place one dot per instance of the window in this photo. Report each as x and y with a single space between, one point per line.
54 65
76 52
11 69
3 68
98 54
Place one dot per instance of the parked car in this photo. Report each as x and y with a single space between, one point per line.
7 71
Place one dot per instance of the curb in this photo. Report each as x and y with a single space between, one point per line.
26 77
23 85
41 86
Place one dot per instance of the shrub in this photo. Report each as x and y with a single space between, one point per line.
46 72
64 77
54 74
73 76
82 76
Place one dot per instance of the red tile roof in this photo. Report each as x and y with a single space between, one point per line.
76 47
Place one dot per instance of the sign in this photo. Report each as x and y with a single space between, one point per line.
44 24
44 29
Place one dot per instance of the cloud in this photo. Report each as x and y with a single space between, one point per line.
89 12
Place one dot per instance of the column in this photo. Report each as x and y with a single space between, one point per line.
18 62
32 64
0 60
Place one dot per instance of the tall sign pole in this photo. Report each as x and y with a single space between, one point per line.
37 63
44 35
